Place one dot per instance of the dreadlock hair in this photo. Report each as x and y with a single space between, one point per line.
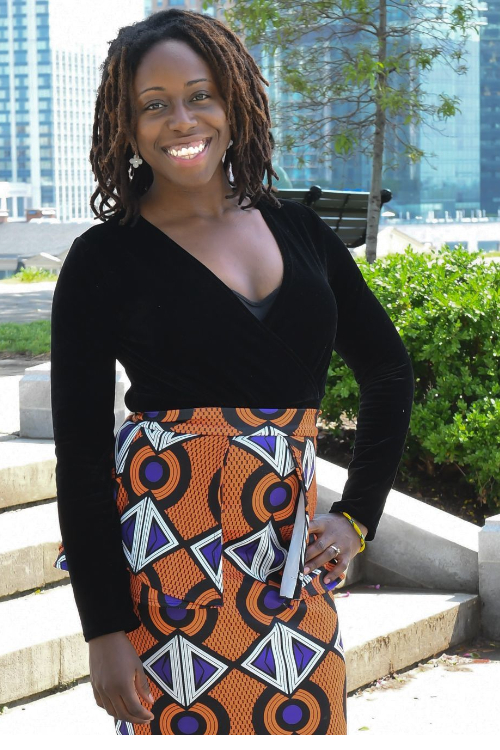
240 83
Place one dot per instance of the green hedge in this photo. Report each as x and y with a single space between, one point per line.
446 307
32 274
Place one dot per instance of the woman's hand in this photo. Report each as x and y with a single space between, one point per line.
118 678
332 529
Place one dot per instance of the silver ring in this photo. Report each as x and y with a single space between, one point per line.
336 550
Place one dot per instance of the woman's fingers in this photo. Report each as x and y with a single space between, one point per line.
318 547
320 552
97 697
123 706
108 705
326 557
132 707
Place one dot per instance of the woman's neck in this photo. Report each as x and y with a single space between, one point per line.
206 202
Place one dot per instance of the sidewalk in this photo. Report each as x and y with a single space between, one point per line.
24 303
449 694
446 695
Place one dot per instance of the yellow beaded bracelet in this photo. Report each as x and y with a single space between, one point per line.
356 529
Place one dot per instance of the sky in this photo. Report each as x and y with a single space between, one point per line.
91 21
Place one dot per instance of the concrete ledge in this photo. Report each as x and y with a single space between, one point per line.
416 545
29 540
27 471
489 576
35 403
42 645
390 629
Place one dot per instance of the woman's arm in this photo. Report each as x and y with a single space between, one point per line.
83 397
367 340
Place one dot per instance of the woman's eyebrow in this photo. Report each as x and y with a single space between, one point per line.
189 83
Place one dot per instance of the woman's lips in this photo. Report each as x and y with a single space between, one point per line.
191 159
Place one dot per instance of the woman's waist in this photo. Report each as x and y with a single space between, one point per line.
232 421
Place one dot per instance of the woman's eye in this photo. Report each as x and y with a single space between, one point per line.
156 105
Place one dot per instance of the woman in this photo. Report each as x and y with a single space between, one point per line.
185 535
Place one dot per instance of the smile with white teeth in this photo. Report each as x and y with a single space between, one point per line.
188 153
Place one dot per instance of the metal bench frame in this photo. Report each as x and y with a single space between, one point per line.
346 212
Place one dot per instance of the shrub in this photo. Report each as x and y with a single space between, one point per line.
32 273
446 307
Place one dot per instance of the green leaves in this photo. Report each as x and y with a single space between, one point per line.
446 307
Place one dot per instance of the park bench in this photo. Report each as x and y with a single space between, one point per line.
345 211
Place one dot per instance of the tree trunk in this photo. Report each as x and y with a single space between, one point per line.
378 144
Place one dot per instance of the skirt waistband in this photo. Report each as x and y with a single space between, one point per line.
232 420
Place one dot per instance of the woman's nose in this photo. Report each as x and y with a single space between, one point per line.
180 117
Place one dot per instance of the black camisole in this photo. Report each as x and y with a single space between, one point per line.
260 308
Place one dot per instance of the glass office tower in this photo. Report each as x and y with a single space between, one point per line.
490 109
26 99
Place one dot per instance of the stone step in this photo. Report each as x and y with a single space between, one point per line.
387 629
29 541
27 470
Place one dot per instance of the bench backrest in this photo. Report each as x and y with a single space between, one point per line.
346 212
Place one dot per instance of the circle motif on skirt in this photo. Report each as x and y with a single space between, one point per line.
267 495
207 716
258 603
164 620
165 475
307 711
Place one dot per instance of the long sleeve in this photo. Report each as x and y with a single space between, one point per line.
369 343
83 394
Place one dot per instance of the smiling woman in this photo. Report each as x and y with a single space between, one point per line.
184 120
202 574
173 85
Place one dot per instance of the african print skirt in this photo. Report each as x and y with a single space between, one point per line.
234 638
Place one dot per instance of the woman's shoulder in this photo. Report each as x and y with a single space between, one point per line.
104 232
292 211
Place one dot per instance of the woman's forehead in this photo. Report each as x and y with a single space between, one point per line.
170 63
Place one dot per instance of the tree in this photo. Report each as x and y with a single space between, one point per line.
357 68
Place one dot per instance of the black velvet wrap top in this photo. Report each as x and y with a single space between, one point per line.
185 339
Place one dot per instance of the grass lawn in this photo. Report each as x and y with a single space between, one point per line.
25 338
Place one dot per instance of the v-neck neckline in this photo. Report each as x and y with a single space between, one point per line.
282 246
259 302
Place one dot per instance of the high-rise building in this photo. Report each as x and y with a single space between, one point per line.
447 179
26 101
153 6
74 70
490 109
50 53
156 5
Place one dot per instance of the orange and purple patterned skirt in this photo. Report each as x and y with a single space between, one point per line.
234 638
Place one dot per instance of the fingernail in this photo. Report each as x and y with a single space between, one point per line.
307 569
151 698
327 580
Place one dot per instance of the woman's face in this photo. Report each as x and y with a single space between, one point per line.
179 106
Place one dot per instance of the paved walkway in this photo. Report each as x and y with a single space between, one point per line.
449 695
24 303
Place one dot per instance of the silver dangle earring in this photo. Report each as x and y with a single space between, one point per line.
136 161
227 148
